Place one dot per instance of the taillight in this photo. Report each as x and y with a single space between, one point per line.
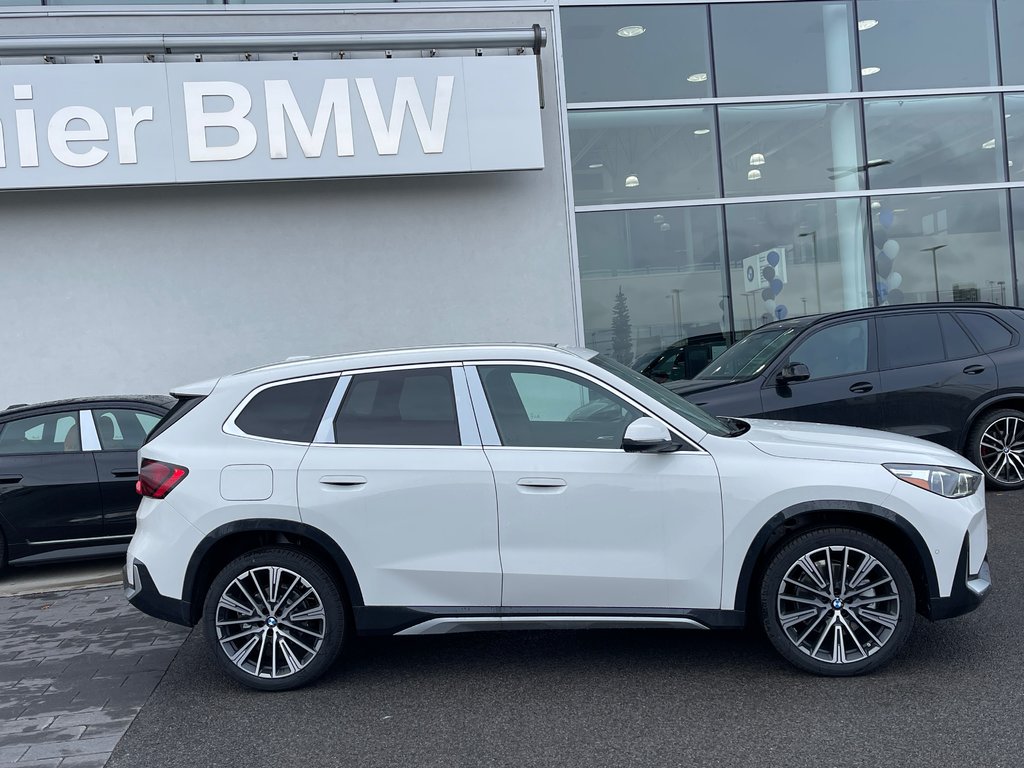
158 478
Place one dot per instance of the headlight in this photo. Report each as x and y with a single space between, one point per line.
945 481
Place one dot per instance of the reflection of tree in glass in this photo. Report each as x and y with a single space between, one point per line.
622 330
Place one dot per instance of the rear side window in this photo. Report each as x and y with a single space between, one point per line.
410 407
290 411
48 433
958 343
987 331
179 409
913 339
122 429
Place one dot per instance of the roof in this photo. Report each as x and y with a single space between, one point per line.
807 320
160 401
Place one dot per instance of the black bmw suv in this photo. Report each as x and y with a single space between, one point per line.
950 373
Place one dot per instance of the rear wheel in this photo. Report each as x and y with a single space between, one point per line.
996 445
837 602
274 619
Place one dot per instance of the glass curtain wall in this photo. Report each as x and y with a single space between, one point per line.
737 163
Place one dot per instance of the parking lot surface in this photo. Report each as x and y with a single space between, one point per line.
955 696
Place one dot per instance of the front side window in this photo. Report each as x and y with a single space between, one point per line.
48 433
406 407
840 350
122 429
546 408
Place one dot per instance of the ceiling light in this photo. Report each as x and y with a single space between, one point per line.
899 210
698 77
702 131
866 24
866 71
757 159
596 165
990 144
632 181
658 218
1007 116
753 175
632 30
875 205
665 226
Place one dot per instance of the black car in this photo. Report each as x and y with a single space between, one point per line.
950 373
683 359
67 476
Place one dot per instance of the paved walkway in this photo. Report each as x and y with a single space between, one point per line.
75 669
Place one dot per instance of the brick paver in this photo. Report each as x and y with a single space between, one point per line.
75 668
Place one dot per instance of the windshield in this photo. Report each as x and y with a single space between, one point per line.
749 356
687 410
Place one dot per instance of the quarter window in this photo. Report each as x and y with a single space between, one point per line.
545 408
408 407
47 433
988 332
839 350
912 339
958 343
290 411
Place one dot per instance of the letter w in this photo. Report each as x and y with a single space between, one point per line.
388 134
281 103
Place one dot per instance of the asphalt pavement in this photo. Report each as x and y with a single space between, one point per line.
955 696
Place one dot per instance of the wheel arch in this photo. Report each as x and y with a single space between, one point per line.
1013 400
230 540
887 526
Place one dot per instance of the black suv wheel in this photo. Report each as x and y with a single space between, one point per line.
996 445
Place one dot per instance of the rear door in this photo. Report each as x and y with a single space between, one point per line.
398 478
121 432
844 383
932 375
48 486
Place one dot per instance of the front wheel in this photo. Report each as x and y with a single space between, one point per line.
274 619
996 444
837 602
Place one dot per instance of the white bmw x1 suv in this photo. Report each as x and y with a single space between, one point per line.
517 486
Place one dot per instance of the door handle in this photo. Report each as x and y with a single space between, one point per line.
125 472
541 482
971 370
861 387
10 479
343 481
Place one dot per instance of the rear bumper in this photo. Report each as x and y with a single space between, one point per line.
969 589
143 594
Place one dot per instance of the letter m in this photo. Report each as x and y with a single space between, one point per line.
281 104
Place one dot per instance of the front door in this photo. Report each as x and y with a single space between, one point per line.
582 523
402 485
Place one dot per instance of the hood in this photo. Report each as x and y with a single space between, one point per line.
830 442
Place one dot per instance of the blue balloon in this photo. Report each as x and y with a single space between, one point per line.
886 217
767 294
882 289
776 286
781 311
773 258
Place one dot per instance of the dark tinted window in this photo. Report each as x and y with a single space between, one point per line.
838 350
49 433
287 411
414 407
905 340
545 408
988 332
122 429
958 343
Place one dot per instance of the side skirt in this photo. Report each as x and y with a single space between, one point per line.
396 620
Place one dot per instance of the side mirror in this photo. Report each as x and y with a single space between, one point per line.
647 435
793 372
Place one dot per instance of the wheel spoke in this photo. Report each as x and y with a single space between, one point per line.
279 603
885 620
239 656
303 629
800 585
259 657
869 587
795 618
284 614
861 573
294 665
811 570
226 601
259 591
255 606
295 640
245 633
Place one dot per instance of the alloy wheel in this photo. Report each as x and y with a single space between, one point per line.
270 622
838 605
1001 450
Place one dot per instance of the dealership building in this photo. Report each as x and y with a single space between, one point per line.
191 189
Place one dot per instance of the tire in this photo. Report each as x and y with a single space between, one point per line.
260 634
996 446
816 623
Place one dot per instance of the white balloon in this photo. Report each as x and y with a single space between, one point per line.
891 248
895 281
770 305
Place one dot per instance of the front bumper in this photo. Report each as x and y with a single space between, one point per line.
969 589
143 594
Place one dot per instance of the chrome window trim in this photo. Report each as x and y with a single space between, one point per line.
79 541
87 431
325 432
694 447
484 417
229 427
469 433
400 367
